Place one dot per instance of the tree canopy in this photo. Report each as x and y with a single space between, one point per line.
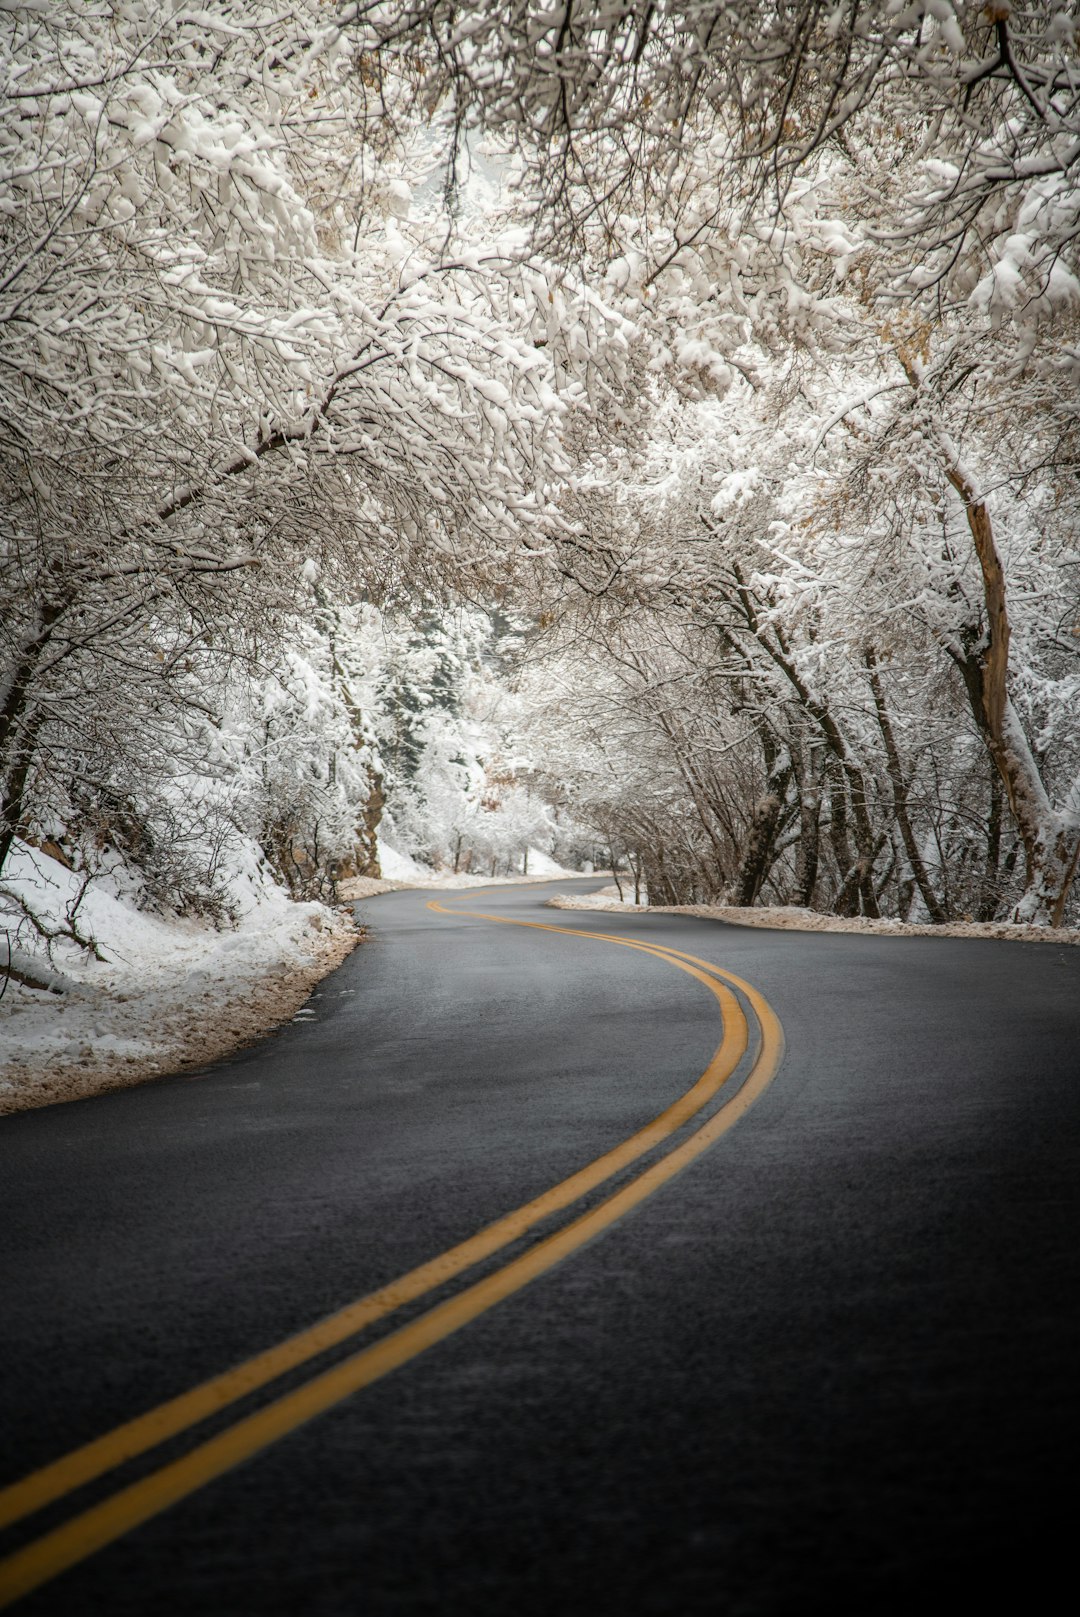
732 347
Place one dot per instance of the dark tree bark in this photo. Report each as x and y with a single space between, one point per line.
899 794
761 839
808 856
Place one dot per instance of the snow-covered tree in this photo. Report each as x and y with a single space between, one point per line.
458 747
746 370
232 343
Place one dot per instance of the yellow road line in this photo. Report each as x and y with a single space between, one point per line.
103 1523
762 1009
146 1431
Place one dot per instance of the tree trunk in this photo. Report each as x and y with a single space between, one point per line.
839 838
1051 840
758 858
1051 843
899 792
776 647
18 735
367 831
13 801
808 780
988 901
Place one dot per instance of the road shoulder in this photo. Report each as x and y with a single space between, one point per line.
121 1026
788 918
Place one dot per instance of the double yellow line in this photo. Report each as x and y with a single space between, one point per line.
93 1528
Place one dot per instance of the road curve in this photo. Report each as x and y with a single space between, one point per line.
465 1292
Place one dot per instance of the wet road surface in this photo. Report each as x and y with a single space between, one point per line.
832 1365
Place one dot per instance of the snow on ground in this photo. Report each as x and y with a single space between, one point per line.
358 887
168 994
398 867
606 899
788 917
461 878
400 871
172 994
542 864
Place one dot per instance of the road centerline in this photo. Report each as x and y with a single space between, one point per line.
91 1530
169 1419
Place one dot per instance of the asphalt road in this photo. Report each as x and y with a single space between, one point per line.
832 1365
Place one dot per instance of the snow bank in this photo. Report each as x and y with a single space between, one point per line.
165 994
359 887
788 917
400 870
399 866
462 880
168 993
542 864
608 898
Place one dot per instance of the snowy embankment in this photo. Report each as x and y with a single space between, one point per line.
166 994
402 872
787 917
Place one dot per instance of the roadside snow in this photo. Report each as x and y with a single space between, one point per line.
168 993
402 870
542 864
787 917
461 880
606 899
396 866
171 994
420 876
357 887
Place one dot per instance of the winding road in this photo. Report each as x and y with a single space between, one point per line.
562 1262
